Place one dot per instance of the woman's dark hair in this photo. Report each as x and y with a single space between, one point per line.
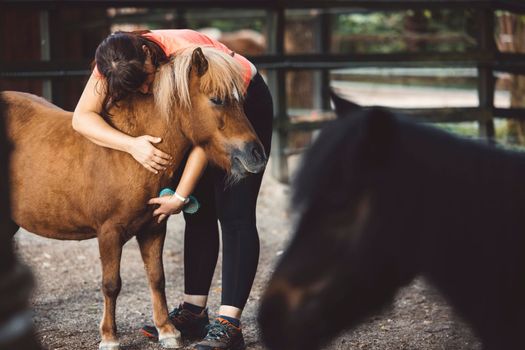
120 59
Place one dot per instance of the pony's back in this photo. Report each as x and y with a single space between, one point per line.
25 97
26 115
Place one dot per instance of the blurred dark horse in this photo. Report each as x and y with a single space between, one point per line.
16 281
380 200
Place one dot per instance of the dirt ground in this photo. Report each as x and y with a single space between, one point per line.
68 303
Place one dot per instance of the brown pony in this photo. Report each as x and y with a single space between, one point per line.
66 187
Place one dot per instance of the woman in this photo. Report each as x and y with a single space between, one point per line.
126 63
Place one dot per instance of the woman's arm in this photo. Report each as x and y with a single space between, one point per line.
88 122
195 166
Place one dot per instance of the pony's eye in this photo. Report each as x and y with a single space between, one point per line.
217 101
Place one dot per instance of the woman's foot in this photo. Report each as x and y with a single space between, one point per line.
192 326
222 335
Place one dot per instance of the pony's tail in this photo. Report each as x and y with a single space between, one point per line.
164 91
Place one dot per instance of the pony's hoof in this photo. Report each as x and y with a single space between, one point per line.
109 345
171 342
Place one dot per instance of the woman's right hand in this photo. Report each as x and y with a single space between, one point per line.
145 153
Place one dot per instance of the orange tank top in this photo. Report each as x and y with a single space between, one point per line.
171 40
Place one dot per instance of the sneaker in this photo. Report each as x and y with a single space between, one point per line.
222 335
191 326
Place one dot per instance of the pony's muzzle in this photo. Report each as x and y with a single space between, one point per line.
251 158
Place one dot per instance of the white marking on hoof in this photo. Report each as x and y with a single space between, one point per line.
109 345
170 341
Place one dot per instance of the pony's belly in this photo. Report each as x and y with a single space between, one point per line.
66 236
72 213
49 220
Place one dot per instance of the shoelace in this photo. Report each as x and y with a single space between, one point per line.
175 312
178 313
217 330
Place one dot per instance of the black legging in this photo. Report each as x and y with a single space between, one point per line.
234 207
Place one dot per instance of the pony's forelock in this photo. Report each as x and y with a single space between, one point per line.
223 79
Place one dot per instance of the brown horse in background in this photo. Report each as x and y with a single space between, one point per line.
66 187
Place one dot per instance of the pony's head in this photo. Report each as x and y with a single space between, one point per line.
342 262
203 88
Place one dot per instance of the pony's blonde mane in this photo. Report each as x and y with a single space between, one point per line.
223 79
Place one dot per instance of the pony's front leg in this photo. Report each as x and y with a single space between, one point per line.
110 247
151 245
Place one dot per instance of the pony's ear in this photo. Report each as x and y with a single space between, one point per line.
199 62
343 108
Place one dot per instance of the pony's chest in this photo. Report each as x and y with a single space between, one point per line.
135 219
135 213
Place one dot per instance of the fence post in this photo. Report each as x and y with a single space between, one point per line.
45 53
277 84
486 80
324 45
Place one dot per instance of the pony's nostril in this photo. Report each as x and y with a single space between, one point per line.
258 152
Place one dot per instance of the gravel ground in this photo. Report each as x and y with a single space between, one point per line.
68 302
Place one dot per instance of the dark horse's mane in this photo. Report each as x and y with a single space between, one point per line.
374 134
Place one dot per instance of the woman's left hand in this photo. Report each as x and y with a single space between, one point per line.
168 205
